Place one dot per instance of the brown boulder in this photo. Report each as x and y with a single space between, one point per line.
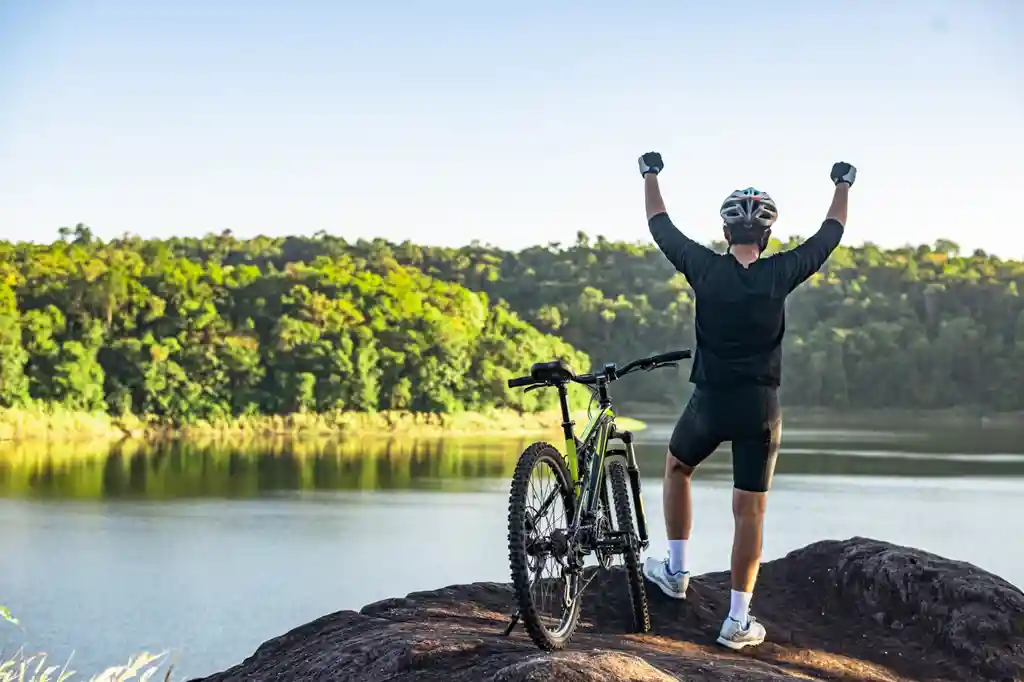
859 609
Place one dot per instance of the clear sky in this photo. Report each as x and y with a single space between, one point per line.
513 123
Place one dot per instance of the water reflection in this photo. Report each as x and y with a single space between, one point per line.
182 469
217 469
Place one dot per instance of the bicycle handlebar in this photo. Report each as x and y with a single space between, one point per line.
674 356
654 361
611 372
520 381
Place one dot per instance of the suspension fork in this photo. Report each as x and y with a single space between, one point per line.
634 484
605 501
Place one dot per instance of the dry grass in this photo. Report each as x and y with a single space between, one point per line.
23 667
39 422
45 423
35 668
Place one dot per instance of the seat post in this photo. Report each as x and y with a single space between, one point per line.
567 423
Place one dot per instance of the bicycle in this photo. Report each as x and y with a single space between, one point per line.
580 479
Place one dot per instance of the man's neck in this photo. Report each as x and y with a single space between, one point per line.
745 254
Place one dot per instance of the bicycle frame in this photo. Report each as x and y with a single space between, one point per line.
596 435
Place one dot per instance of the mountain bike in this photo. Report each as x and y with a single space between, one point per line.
592 522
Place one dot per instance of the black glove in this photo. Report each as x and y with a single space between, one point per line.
843 172
651 163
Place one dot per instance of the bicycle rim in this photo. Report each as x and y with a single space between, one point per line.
540 514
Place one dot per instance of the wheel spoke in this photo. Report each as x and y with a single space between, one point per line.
539 546
552 496
548 567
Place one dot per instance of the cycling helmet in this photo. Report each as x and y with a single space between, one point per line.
749 214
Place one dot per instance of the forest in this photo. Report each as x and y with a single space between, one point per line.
189 329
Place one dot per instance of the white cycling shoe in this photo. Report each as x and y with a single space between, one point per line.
737 636
672 584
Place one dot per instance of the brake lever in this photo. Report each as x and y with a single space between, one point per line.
533 388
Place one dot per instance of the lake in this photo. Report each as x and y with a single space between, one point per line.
209 551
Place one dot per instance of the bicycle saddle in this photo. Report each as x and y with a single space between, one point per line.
554 372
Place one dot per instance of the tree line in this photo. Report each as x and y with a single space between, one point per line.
210 329
217 327
918 327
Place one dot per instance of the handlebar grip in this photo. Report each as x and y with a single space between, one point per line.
672 356
520 381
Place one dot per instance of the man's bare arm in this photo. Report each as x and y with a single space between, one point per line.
798 265
688 257
840 200
652 196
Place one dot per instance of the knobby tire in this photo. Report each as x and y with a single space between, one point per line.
616 472
518 505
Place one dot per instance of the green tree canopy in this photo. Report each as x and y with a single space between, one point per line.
214 328
190 329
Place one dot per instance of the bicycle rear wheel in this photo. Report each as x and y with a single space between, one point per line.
616 471
543 576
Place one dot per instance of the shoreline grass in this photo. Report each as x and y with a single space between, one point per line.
44 423
22 667
49 423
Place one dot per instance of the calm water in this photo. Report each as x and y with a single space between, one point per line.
208 552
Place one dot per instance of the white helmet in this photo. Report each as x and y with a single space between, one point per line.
750 208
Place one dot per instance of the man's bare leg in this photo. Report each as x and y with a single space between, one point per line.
748 509
672 575
675 499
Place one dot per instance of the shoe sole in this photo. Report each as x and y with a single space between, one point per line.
665 590
736 646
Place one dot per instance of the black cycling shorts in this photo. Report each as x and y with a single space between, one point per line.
749 417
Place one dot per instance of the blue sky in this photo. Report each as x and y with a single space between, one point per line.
445 121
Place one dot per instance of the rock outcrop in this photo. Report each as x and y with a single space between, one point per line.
859 609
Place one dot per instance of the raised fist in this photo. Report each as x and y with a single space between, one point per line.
651 163
843 172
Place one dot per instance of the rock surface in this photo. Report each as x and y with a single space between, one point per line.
859 609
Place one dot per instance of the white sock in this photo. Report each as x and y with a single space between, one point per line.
739 607
677 556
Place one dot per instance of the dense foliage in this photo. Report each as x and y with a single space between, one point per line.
216 327
920 327
210 329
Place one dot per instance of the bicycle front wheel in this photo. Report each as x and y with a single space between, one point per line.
616 470
544 573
